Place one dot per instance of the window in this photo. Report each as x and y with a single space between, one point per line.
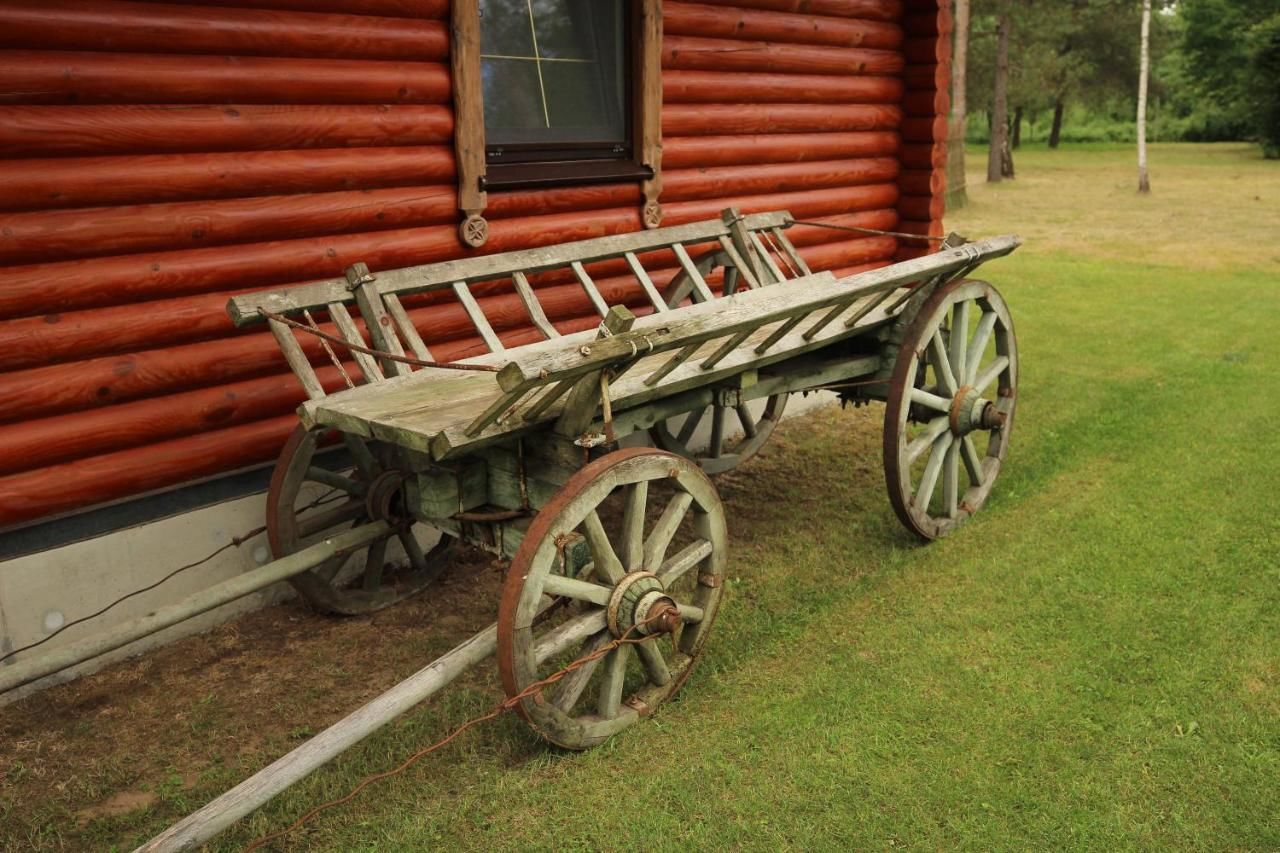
554 93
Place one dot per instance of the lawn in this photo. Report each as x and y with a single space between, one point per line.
1094 661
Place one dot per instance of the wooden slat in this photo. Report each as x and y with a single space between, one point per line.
739 263
727 347
408 332
533 306
789 248
659 304
478 319
297 359
672 363
769 262
378 322
826 320
691 270
500 405
593 293
351 334
779 333
553 393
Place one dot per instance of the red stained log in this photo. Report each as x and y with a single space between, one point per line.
717 87
715 119
926 49
688 52
925 102
698 19
45 131
687 185
926 130
871 10
922 156
421 9
858 251
921 207
706 151
921 182
50 77
97 181
108 25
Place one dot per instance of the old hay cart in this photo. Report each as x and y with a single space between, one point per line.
617 556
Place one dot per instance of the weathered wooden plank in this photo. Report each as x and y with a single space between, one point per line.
381 330
351 334
770 264
659 304
533 306
408 331
297 359
593 293
682 355
691 270
478 319
727 347
739 263
790 250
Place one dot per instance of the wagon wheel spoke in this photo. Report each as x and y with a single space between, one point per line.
690 426
570 688
655 547
746 420
609 698
656 617
366 488
716 446
950 403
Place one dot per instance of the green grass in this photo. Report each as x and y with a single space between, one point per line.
1093 662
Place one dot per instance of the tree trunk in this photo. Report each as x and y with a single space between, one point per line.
1017 127
957 197
1144 181
1000 108
1055 133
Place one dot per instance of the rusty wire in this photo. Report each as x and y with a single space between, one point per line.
902 235
390 356
493 713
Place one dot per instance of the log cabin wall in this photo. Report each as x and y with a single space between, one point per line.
157 158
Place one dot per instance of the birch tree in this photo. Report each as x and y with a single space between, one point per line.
957 197
1144 180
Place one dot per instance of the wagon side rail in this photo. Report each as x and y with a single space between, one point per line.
648 357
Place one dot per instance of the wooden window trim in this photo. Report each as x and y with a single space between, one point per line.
469 131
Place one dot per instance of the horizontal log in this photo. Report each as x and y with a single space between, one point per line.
931 228
56 77
921 156
688 184
72 286
927 76
925 49
151 178
689 52
718 119
110 25
925 102
31 238
921 207
420 9
921 182
51 491
708 151
745 87
926 130
858 251
926 23
871 10
43 131
699 19
845 272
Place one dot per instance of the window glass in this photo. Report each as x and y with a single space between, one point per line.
553 73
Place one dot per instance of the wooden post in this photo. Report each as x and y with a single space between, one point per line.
468 112
647 109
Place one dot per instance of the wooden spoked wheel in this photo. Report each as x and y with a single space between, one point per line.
633 547
950 407
736 432
307 502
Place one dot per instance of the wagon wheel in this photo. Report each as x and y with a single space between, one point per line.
633 546
954 382
755 420
307 502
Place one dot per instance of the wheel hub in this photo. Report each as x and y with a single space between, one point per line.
970 411
640 602
384 498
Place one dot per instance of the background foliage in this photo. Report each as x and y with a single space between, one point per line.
1215 69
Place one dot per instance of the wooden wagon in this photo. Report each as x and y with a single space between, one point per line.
617 554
